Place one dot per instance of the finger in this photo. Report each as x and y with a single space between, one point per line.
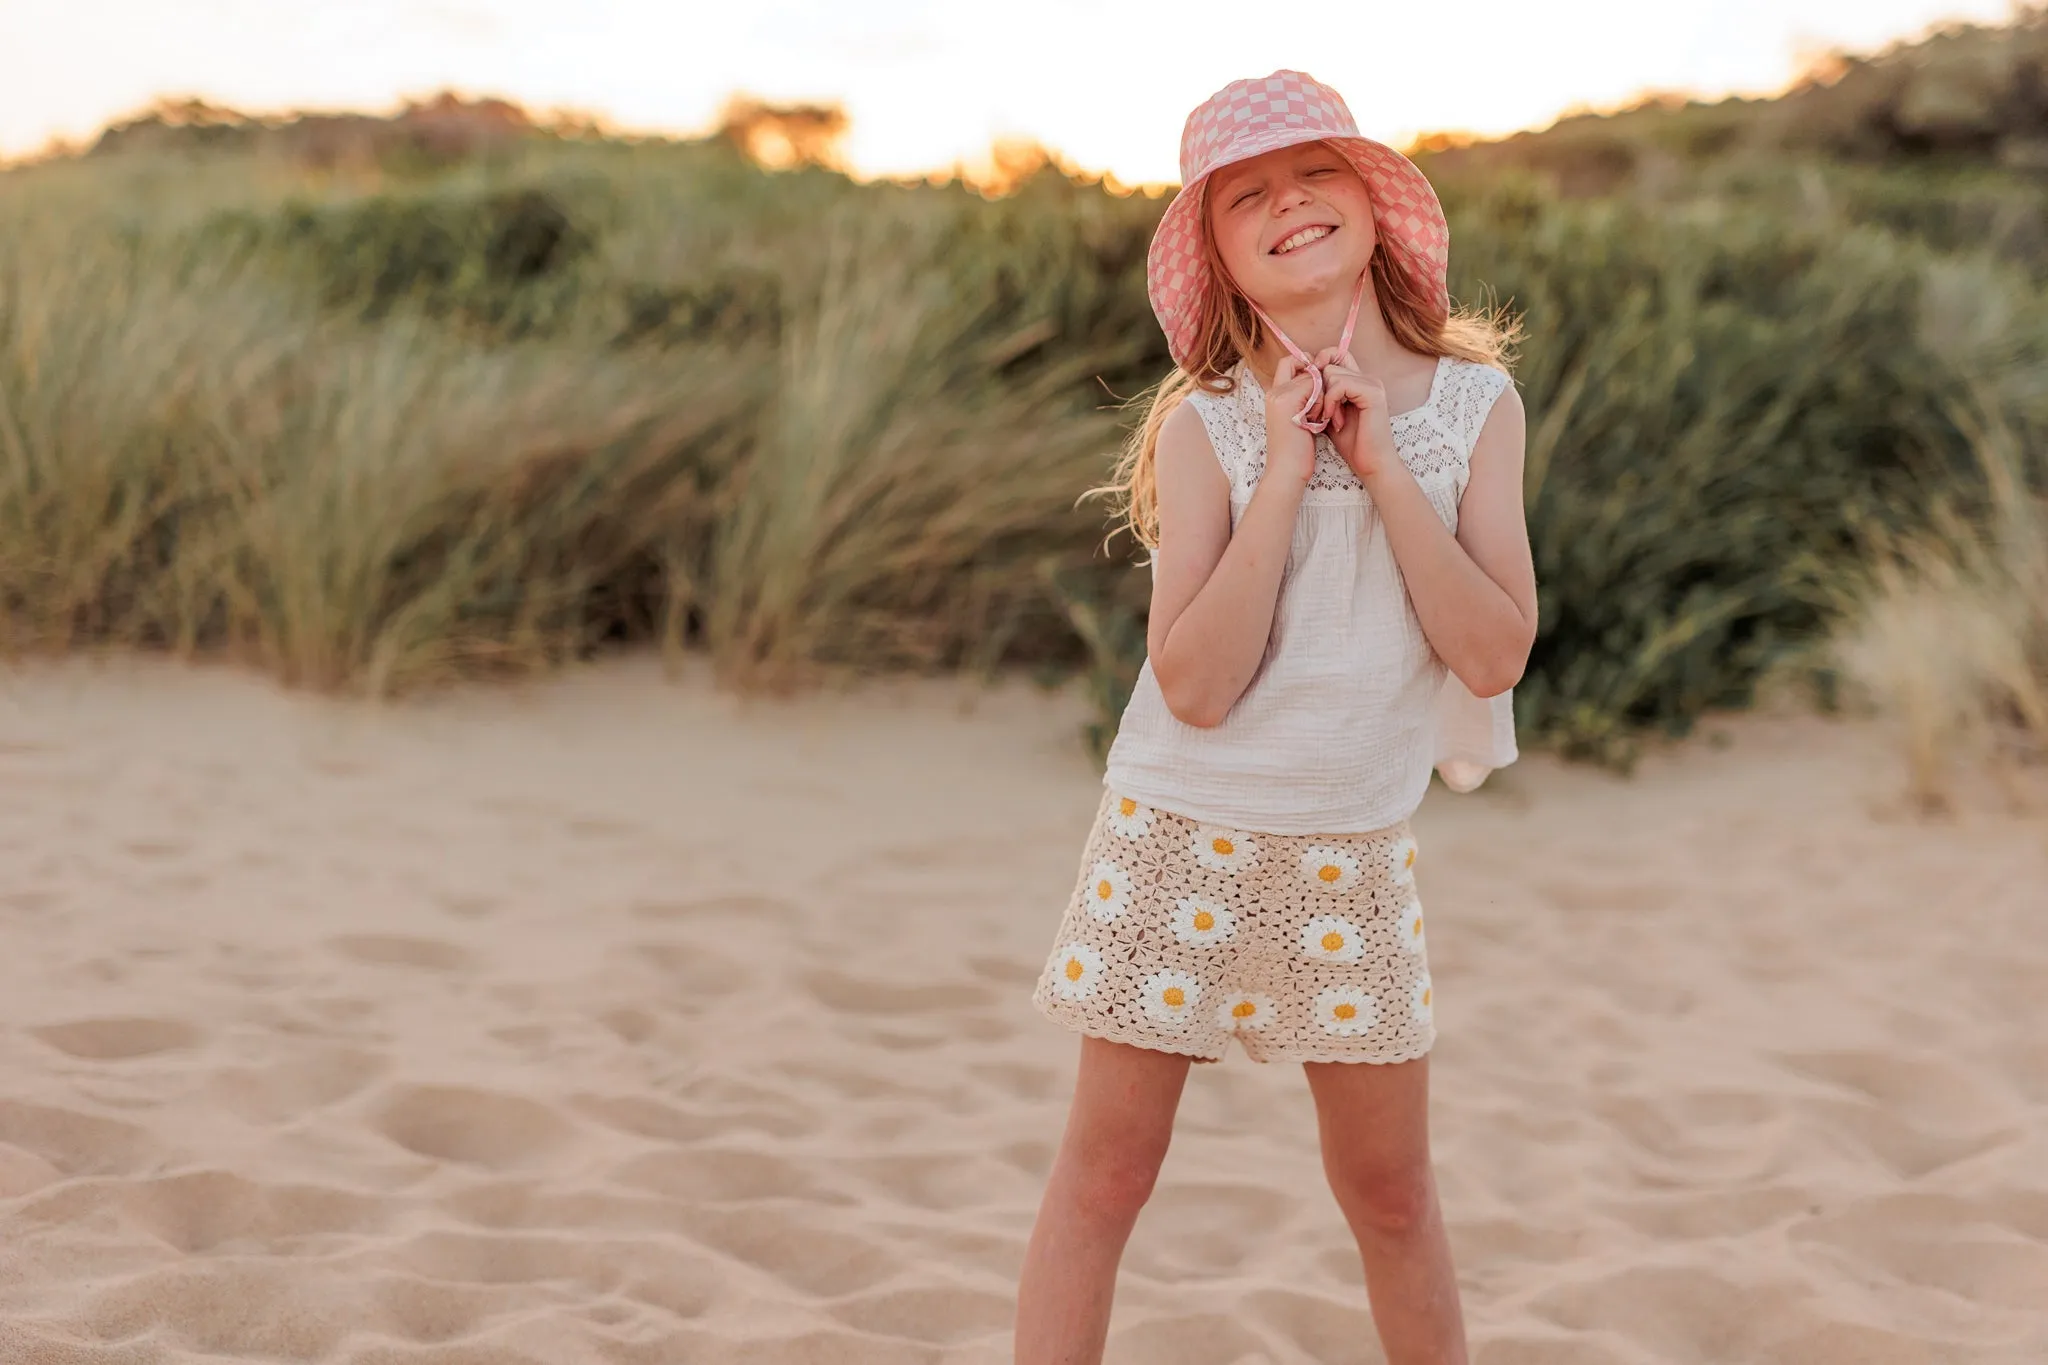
1333 355
1345 389
1285 372
1332 410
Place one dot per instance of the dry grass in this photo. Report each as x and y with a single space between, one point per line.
374 434
1950 637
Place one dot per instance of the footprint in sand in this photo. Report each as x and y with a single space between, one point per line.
115 1039
398 950
475 1127
792 1244
1935 1241
209 1210
629 1025
76 1144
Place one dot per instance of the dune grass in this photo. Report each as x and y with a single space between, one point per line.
375 431
1948 636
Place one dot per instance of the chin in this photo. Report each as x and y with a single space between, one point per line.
1308 280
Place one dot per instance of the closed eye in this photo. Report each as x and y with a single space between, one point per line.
1244 199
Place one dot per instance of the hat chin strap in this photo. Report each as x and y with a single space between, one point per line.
1315 376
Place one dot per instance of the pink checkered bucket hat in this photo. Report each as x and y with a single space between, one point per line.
1250 118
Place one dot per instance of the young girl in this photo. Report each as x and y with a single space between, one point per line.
1331 484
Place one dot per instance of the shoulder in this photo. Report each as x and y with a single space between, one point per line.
1185 432
1477 376
1476 398
1500 426
1186 453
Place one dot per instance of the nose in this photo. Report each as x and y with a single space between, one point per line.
1294 192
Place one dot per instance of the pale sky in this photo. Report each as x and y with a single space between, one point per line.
927 82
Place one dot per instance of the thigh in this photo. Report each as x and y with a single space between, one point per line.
1124 1101
1374 1114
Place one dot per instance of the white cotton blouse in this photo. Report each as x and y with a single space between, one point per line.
1350 708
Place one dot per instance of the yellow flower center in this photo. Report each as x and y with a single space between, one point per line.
1224 848
1332 941
1425 998
1329 872
1075 969
1104 890
1415 929
1409 860
1204 921
1174 996
1128 807
1347 1010
1243 1009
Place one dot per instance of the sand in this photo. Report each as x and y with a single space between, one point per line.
613 1020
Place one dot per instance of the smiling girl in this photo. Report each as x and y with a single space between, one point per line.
1342 596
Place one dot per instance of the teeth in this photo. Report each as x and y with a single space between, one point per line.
1301 238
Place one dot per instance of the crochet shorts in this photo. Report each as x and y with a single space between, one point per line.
1182 936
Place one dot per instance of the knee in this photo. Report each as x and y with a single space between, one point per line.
1387 1199
1111 1183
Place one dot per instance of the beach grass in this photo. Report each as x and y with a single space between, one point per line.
378 428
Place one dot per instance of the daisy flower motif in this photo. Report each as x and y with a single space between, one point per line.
1332 938
1170 997
1409 927
1224 849
1076 968
1347 1011
1329 869
1401 859
1202 922
1109 891
1421 1000
1244 1012
1128 819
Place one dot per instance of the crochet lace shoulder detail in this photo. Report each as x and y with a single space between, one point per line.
1240 448
1434 438
1466 398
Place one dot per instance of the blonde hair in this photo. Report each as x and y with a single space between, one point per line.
1227 331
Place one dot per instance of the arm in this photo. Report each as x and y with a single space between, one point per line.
1475 594
1214 591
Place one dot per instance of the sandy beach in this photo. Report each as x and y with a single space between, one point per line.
613 1020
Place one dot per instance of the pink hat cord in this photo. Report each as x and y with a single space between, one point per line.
1315 376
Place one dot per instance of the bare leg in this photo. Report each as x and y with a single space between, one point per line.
1375 1133
1117 1132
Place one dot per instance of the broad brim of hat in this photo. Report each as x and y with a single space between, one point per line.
1406 214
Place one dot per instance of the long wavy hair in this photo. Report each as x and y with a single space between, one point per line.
1227 331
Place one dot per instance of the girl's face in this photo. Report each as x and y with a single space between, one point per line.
1292 226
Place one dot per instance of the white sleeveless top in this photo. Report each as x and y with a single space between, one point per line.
1350 708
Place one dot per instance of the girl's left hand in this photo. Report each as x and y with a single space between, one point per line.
1356 409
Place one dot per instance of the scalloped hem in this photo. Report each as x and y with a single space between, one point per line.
1347 1058
1264 1056
1149 1044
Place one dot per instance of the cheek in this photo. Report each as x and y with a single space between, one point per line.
1237 242
1357 210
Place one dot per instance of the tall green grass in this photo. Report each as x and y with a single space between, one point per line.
375 433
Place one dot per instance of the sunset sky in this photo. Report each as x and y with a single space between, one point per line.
927 82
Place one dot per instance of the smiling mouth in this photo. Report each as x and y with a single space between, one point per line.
1298 240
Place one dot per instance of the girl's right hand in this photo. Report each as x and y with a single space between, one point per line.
1290 451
